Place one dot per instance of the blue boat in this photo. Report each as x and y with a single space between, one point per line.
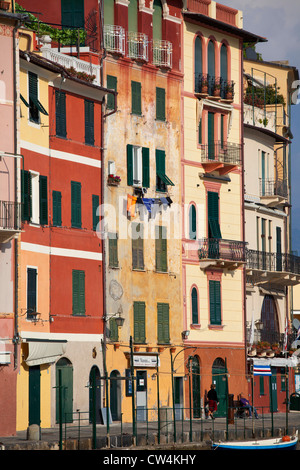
280 443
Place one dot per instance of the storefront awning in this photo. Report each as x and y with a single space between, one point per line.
44 352
277 361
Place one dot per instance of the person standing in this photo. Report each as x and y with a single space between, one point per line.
212 401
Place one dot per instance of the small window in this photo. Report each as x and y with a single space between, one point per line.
213 215
56 208
161 255
34 190
192 223
137 246
78 280
136 98
43 200
26 195
113 329
113 250
95 205
215 302
139 330
160 104
75 204
162 180
31 292
194 301
163 327
112 85
60 113
138 169
89 122
35 107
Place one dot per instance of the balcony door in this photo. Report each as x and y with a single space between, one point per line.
269 317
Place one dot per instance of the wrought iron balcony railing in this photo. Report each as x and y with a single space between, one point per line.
274 262
114 39
220 249
214 86
162 53
271 187
137 45
223 152
10 215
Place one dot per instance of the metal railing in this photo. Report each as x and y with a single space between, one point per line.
223 152
273 187
114 39
162 53
214 86
10 215
275 262
215 248
137 45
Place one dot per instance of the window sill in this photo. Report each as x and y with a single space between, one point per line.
139 270
78 315
215 327
161 272
195 326
114 267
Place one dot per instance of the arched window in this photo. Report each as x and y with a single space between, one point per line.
224 69
192 223
109 12
157 20
198 64
133 16
194 302
269 317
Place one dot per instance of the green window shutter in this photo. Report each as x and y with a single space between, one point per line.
33 97
157 20
137 246
161 258
194 299
31 290
26 195
139 328
211 135
72 14
160 104
263 173
213 215
133 16
222 130
78 291
109 14
95 205
43 200
261 385
129 165
113 250
146 167
60 113
56 207
113 327
163 328
200 132
112 85
215 302
211 59
89 122
224 61
136 98
75 204
192 223
160 157
198 63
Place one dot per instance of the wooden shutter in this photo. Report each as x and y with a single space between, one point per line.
163 330
215 302
157 20
26 194
263 173
136 99
146 167
224 62
161 249
75 204
160 157
139 330
33 96
129 165
194 306
213 215
31 290
112 85
160 104
211 59
113 250
56 207
113 327
89 122
211 135
222 130
72 13
198 63
192 223
78 280
95 205
137 247
60 113
133 16
200 132
43 200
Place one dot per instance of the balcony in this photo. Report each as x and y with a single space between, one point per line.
222 156
227 254
207 86
259 117
10 220
273 191
281 268
162 53
114 39
137 46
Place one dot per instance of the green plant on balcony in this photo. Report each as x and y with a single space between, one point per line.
81 75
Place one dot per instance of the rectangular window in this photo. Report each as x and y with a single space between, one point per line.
34 115
95 205
56 208
136 98
139 330
213 215
162 180
263 173
160 104
31 291
89 122
112 85
261 385
222 130
78 281
138 166
26 195
75 204
163 327
215 302
34 197
211 135
72 14
43 200
60 114
200 132
137 246
161 256
113 329
113 250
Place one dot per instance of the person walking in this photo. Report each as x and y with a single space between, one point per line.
212 401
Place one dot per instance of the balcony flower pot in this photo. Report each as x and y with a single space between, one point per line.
136 348
116 346
149 349
113 180
172 350
161 349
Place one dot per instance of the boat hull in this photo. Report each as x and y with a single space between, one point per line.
267 444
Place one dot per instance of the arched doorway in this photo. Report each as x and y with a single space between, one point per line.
95 394
218 378
196 387
64 390
269 317
115 395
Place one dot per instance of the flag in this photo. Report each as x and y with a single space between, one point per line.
259 369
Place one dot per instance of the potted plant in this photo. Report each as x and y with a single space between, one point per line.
204 85
229 91
217 88
172 350
113 180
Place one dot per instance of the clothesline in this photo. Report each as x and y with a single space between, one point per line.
151 204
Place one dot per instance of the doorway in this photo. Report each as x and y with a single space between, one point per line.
219 379
115 395
34 395
95 395
141 395
64 378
